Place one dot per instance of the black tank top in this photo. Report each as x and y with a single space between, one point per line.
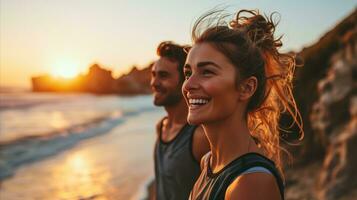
210 186
176 169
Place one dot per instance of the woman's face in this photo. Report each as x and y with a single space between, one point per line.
210 86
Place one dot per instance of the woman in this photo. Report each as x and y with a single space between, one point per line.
237 85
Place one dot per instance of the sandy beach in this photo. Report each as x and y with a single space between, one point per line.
115 165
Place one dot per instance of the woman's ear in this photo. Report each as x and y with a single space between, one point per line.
247 88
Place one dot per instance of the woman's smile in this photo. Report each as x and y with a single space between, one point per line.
209 89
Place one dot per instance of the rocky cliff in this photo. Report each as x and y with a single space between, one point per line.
99 81
327 98
135 82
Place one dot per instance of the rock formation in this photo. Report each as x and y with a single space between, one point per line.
334 118
97 81
326 93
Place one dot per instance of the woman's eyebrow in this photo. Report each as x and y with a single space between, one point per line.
205 63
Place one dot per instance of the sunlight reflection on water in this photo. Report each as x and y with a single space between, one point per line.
79 178
57 120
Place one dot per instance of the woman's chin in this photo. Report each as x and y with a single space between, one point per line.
194 120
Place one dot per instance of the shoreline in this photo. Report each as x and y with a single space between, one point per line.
146 190
115 165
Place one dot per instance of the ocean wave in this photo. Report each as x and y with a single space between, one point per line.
29 149
24 100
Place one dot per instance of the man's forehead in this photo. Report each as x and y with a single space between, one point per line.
164 64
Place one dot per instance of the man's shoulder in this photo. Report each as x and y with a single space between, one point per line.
159 125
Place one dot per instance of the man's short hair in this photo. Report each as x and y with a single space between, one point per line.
175 53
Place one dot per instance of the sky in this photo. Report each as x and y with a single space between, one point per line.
63 38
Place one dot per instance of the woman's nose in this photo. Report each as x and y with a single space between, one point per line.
190 84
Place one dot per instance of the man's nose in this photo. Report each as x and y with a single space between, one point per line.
154 81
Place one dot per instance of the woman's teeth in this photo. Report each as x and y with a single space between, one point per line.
198 101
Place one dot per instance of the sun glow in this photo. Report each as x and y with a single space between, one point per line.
65 70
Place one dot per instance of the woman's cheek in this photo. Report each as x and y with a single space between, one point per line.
213 86
218 86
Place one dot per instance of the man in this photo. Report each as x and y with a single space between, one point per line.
179 146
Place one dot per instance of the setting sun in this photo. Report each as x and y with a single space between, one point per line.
65 70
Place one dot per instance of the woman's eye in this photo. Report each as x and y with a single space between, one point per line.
207 72
187 74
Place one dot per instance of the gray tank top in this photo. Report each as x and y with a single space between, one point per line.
213 186
176 169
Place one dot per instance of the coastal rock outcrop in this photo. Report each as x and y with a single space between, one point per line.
334 118
326 93
98 81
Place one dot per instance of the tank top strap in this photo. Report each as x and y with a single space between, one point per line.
244 163
160 125
255 170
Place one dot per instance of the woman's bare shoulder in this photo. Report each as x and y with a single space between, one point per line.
253 186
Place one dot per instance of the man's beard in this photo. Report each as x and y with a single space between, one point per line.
170 100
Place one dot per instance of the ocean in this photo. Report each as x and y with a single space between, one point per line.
76 146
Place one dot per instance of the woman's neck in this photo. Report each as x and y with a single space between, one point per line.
229 138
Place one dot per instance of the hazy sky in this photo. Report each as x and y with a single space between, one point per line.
66 36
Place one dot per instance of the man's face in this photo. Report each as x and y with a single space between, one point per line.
165 82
